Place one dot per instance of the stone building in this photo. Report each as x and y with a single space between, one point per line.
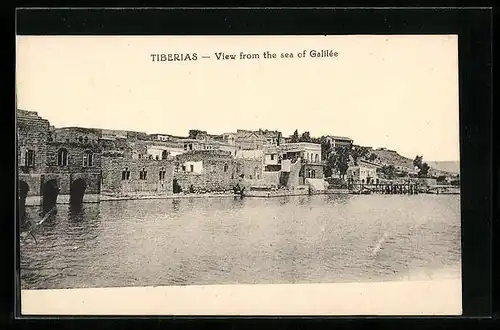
33 136
74 169
208 170
135 177
249 140
56 165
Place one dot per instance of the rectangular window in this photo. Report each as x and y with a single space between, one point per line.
30 158
125 174
183 168
191 167
272 157
85 161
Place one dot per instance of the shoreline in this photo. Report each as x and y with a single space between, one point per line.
254 194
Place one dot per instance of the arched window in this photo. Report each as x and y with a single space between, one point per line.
86 139
164 154
226 167
88 159
62 157
143 174
80 139
162 174
125 174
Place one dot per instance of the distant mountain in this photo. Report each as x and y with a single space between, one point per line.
446 166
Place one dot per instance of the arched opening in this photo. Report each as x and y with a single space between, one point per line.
164 154
49 196
88 159
176 187
23 193
62 157
77 191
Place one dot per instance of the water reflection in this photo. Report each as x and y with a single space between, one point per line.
328 238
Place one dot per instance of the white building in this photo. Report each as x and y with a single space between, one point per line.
307 151
362 174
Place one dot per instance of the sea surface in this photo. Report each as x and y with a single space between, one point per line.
221 240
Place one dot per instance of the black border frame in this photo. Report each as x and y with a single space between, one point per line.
474 28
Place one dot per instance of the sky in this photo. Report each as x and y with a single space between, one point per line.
398 92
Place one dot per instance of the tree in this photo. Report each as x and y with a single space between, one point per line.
424 171
305 137
295 137
388 170
372 157
326 148
358 152
194 133
339 160
417 162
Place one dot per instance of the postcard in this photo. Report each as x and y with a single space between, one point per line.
239 175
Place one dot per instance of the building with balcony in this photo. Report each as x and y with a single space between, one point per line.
339 141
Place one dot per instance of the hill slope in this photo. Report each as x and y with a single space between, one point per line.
391 157
447 166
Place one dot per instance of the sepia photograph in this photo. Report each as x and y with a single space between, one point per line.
163 175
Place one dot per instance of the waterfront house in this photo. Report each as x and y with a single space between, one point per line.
362 174
309 152
56 165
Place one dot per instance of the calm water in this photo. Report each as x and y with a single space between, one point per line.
326 238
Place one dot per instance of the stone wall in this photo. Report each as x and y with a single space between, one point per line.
77 135
318 170
249 168
271 178
218 172
33 134
114 184
65 176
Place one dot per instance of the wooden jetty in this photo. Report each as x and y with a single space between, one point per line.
385 188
